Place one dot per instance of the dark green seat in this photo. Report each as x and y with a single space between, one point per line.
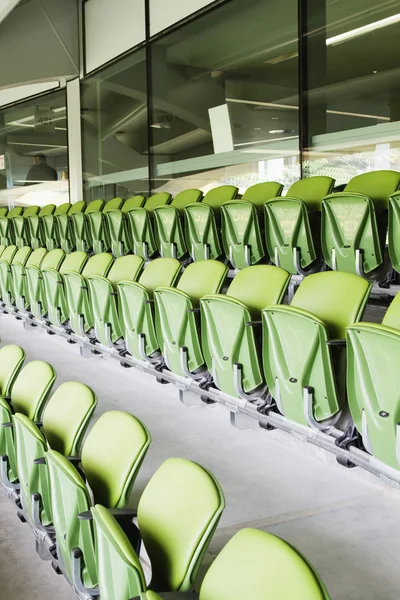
293 225
117 226
80 224
202 223
176 318
241 230
51 236
19 277
7 236
168 226
20 225
230 346
65 226
98 225
35 237
6 280
354 224
36 299
140 225
136 307
304 355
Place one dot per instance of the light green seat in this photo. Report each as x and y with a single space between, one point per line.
230 346
19 278
80 225
51 237
5 268
202 223
394 231
136 307
103 295
98 225
140 225
117 225
293 225
28 395
3 211
241 230
2 248
112 454
178 513
20 225
354 223
177 324
35 230
168 226
304 357
56 306
35 299
65 228
80 307
6 280
64 422
7 236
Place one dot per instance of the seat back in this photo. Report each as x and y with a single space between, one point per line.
99 265
134 202
311 190
178 513
273 569
15 212
74 262
259 193
156 200
119 240
63 209
36 258
3 211
31 210
9 253
94 205
98 225
186 197
53 259
22 255
218 195
48 209
140 232
21 275
11 361
31 388
114 204
65 226
394 231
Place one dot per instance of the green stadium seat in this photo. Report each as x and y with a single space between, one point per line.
177 515
112 455
230 345
140 225
304 352
136 307
36 300
3 211
7 236
168 226
202 223
20 225
354 224
6 281
65 229
241 230
19 277
103 295
51 238
293 225
117 226
394 231
80 225
98 225
35 231
176 317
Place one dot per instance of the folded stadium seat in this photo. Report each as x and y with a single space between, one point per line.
6 230
394 231
241 230
2 248
98 225
293 225
6 280
28 395
140 226
178 513
168 227
176 317
112 455
35 300
136 308
354 224
230 345
56 308
35 232
372 386
63 424
304 355
20 225
103 296
80 307
202 223
51 238
3 211
5 262
117 226
19 277
80 225
64 226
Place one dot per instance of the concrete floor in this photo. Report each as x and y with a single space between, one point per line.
346 522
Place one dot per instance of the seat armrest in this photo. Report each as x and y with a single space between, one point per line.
85 516
9 424
75 460
40 461
337 343
123 513
254 323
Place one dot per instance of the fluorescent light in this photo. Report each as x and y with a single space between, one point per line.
276 131
353 33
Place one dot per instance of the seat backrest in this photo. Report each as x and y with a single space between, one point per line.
21 256
259 286
66 416
160 272
36 258
201 278
111 456
378 185
272 569
312 190
47 210
125 268
94 205
99 264
3 211
261 192
77 207
134 202
218 195
31 210
74 262
177 515
53 259
63 209
159 199
114 204
335 297
186 197
392 315
8 253
15 212
11 359
32 387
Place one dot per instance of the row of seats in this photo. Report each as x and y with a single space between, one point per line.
303 232
238 339
73 489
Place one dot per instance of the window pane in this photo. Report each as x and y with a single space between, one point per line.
225 99
114 130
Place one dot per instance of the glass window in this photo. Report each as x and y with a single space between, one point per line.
224 100
114 130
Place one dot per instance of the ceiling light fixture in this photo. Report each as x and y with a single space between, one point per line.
277 131
354 33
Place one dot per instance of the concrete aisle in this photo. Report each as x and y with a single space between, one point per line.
345 521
